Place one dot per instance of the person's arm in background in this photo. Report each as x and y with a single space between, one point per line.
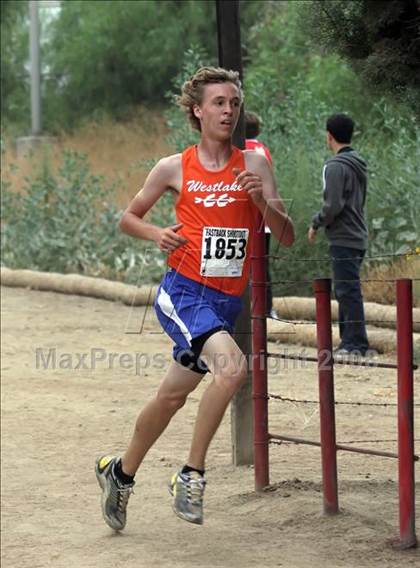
334 201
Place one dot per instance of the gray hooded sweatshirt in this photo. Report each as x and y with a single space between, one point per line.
345 188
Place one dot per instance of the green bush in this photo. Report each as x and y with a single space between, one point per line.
394 188
66 223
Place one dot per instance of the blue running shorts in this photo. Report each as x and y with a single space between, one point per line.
190 313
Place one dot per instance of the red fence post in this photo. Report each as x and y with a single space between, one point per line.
259 357
405 413
322 288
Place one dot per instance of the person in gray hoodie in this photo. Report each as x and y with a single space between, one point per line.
342 217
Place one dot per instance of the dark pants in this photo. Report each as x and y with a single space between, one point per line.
346 263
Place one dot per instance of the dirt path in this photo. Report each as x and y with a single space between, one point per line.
55 421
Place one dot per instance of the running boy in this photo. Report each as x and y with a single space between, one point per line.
218 189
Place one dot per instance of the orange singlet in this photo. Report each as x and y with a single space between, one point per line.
218 218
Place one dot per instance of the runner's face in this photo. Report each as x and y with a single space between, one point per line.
219 111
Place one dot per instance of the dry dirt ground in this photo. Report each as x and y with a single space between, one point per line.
57 420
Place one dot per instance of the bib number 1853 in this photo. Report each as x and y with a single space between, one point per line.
223 251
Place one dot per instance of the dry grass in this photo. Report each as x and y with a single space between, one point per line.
115 151
384 292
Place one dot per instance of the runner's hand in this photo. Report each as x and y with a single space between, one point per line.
252 183
168 240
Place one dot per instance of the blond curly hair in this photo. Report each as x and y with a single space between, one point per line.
192 90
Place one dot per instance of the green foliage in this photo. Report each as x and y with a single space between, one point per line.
181 134
294 96
109 56
14 53
66 223
394 189
380 38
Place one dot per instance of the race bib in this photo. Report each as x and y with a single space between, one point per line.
223 251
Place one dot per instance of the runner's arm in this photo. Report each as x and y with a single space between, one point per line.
160 179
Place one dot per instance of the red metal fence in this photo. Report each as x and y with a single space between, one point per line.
326 362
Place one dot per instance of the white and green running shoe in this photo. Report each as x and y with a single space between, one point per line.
115 494
187 490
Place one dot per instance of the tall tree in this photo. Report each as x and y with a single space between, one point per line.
110 55
380 38
14 54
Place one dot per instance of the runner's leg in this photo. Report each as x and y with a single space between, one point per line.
228 365
156 415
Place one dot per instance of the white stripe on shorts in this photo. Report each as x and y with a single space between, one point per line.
165 303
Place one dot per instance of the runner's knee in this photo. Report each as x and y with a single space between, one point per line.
233 375
171 401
